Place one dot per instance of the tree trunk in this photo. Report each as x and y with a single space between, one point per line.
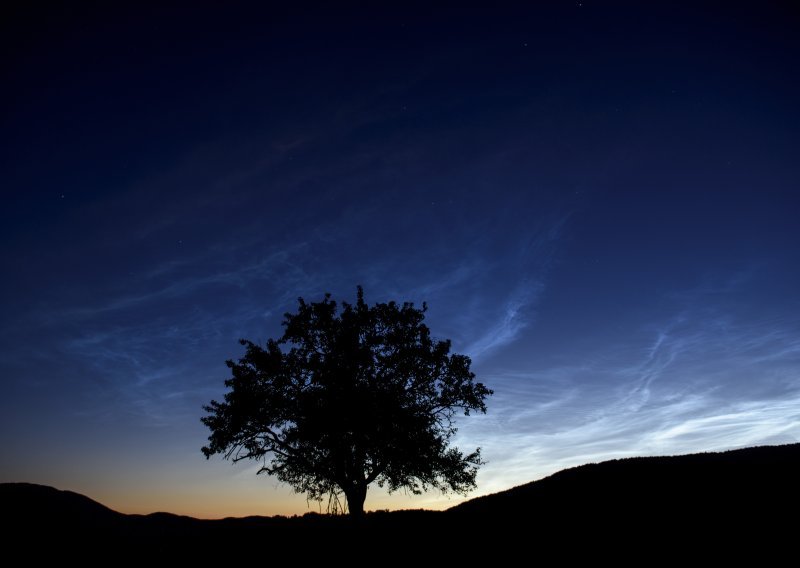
355 500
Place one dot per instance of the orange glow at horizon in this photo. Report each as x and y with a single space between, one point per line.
238 496
243 502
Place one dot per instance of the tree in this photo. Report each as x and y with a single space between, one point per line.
350 397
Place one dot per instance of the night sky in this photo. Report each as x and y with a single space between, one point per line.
598 201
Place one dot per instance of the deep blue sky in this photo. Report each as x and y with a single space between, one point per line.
599 202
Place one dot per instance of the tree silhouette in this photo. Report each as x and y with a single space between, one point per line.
350 397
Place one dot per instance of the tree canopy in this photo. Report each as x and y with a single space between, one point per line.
347 397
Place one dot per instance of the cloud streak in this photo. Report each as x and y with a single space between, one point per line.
702 383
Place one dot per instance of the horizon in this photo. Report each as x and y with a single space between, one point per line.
418 508
598 203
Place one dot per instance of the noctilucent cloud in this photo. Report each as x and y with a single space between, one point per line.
598 203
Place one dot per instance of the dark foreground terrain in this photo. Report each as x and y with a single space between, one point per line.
731 504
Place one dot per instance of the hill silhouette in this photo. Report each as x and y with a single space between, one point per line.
737 479
711 501
38 505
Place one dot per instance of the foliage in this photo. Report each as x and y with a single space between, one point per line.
347 397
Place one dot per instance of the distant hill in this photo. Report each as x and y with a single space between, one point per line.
758 477
29 503
711 501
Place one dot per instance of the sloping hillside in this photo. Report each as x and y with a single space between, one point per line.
680 502
750 476
40 504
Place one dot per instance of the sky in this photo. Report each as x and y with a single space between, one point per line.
597 200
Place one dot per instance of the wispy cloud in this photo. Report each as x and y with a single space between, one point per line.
706 380
500 323
153 342
682 423
512 318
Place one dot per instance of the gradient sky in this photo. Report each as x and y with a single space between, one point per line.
598 201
